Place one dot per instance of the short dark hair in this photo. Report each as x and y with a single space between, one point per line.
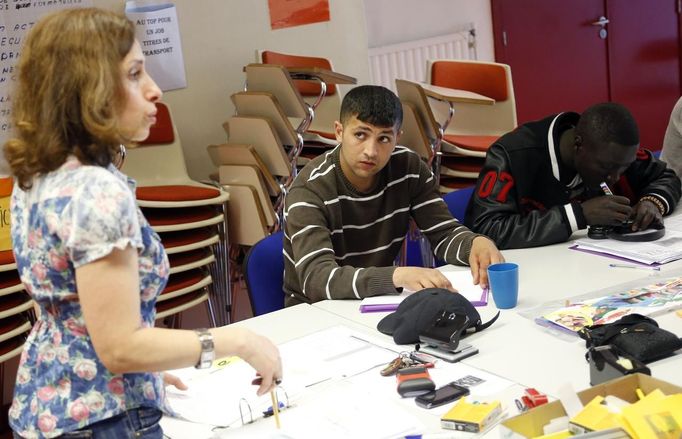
606 123
372 104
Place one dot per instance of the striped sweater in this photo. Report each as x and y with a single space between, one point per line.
341 244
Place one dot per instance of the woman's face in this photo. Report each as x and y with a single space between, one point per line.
140 92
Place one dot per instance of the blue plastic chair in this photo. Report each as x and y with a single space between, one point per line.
264 274
457 202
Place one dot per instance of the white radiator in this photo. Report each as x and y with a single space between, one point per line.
408 60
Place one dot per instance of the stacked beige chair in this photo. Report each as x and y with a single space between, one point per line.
474 127
17 313
192 220
264 140
420 118
324 99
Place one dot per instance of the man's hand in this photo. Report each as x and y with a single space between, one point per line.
646 213
607 210
418 278
483 253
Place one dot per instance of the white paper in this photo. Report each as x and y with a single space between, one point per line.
156 28
215 395
462 280
666 249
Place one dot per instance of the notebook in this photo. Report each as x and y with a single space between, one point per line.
462 280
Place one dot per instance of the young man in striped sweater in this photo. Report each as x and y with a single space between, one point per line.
348 211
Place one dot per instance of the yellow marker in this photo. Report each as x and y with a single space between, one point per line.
275 407
639 393
226 361
679 313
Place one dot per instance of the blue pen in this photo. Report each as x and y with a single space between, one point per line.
269 412
432 436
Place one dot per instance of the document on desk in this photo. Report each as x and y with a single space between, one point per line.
661 251
216 395
345 410
462 280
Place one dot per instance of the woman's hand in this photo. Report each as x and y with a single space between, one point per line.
263 355
171 380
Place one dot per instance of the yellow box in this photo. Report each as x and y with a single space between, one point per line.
531 423
465 416
5 195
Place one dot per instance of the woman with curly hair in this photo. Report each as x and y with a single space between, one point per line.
91 366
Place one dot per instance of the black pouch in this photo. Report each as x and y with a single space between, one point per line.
635 335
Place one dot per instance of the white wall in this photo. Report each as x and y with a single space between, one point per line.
219 37
397 21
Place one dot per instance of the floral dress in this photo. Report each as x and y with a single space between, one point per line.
69 218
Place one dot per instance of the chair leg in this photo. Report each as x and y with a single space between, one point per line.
222 293
211 313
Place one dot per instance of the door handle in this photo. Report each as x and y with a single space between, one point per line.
603 21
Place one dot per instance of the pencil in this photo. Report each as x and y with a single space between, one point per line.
275 408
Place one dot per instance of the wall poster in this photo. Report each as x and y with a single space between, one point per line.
289 13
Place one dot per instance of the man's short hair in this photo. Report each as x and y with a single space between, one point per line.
606 123
372 104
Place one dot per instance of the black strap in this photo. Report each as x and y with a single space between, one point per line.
482 326
654 232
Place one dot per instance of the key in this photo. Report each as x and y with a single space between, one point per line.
392 367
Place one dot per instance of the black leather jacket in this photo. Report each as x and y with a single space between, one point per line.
520 200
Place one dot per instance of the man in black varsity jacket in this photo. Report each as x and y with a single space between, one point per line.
541 182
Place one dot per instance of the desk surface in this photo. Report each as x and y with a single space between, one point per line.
454 95
519 349
515 347
325 75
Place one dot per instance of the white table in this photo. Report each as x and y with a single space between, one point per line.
519 349
298 321
514 347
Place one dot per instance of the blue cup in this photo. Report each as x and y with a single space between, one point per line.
504 284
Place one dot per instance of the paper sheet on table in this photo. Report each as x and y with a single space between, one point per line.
339 410
663 250
215 395
462 280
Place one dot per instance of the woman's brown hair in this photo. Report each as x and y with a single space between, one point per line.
68 92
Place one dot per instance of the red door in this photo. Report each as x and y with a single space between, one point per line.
559 61
644 66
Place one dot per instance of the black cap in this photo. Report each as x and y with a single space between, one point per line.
420 310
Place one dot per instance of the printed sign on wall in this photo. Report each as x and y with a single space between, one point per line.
156 28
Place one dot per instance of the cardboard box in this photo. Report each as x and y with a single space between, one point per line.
531 423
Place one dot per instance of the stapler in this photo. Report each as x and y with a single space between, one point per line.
441 339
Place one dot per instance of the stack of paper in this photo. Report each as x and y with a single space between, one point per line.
462 280
661 251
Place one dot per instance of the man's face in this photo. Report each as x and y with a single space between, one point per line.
606 162
365 150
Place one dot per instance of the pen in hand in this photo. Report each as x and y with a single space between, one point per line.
604 187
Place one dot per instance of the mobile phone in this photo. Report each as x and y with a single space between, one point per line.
414 381
443 395
464 350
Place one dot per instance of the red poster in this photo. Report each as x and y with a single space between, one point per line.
289 13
